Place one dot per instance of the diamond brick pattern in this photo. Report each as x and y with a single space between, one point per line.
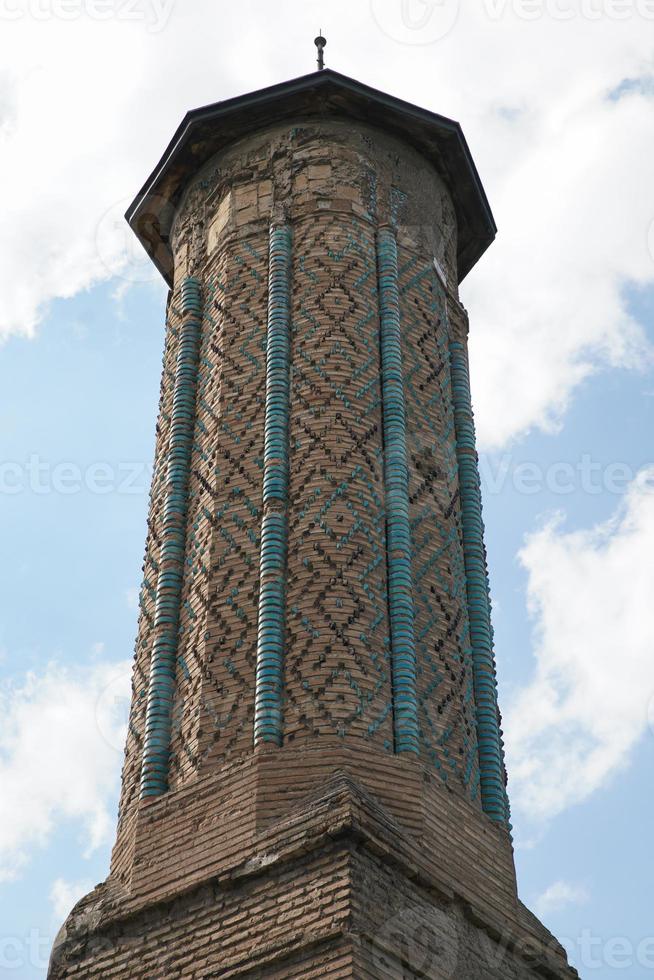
338 659
445 680
215 701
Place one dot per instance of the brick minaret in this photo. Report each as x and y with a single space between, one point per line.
314 779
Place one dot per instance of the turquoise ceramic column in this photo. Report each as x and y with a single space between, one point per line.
396 477
274 528
161 688
491 761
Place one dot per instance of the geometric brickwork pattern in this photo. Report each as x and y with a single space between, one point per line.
444 656
337 678
337 666
216 666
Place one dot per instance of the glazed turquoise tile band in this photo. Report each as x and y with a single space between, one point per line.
161 687
396 478
271 630
489 737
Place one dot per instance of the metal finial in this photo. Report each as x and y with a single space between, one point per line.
321 42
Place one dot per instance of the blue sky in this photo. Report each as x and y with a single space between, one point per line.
602 847
558 112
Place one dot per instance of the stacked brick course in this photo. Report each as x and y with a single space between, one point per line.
332 854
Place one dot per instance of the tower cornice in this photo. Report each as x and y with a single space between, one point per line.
325 94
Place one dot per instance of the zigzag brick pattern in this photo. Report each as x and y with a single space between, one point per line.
338 653
445 679
216 673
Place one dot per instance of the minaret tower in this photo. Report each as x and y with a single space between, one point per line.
314 780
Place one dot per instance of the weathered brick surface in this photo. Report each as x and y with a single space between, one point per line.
335 885
201 828
338 655
227 931
335 186
329 856
445 687
215 692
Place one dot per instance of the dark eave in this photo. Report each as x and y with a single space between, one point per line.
205 131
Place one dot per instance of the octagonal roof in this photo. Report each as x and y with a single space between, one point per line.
205 131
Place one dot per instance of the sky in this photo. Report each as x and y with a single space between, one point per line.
556 99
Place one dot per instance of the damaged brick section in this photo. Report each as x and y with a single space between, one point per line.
335 888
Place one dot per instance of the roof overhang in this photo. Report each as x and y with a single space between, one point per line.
323 94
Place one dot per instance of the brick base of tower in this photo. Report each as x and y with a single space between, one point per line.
299 864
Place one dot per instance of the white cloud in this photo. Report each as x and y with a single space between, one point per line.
559 896
60 739
65 894
548 303
590 593
86 109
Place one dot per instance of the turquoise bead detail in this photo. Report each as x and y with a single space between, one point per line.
396 477
489 739
163 662
271 634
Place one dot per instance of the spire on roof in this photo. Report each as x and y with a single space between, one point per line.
321 42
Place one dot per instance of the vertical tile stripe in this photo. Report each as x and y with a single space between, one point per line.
161 687
396 477
274 528
491 755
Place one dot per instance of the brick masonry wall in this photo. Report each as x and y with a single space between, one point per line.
335 187
338 654
215 694
297 860
188 836
335 888
445 688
